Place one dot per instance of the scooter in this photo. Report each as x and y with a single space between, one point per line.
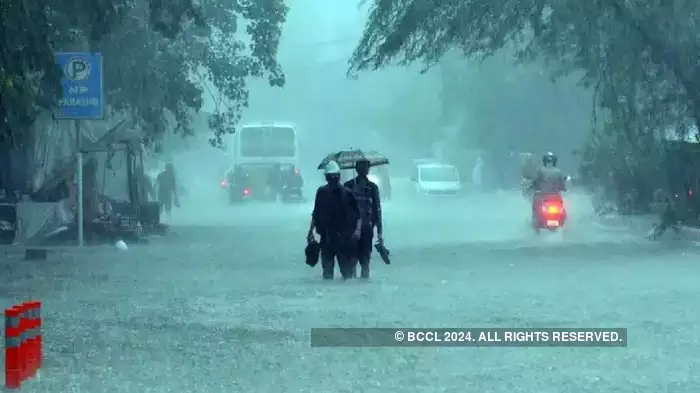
550 213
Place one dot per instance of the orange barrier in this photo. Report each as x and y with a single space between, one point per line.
23 345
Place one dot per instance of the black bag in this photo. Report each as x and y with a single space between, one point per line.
312 251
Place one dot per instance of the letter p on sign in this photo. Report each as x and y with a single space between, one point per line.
77 69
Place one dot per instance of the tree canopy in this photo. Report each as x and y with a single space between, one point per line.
160 58
638 55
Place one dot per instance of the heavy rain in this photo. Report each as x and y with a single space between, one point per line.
535 167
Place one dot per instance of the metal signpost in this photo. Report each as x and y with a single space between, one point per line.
83 99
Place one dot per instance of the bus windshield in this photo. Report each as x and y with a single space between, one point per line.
271 141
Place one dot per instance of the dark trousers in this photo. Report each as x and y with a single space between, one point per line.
166 202
337 246
166 207
363 253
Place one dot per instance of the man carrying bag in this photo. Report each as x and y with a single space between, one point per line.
336 218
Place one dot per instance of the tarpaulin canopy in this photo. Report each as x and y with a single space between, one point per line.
51 167
52 163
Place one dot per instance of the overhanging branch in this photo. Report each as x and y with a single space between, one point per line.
664 55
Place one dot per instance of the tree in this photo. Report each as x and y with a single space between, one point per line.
617 46
152 50
25 66
640 57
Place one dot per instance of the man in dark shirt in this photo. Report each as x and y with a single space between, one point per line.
367 194
336 219
167 189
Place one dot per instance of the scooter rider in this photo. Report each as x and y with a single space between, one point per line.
549 181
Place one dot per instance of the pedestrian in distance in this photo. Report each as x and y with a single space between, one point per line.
478 173
168 190
368 199
665 205
336 219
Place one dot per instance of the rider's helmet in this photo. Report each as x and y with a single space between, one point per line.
549 158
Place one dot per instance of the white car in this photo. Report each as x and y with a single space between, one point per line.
436 179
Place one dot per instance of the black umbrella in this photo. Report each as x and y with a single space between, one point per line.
346 159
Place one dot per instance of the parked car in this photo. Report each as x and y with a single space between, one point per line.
436 179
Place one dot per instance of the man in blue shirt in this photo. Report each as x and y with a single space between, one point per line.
367 194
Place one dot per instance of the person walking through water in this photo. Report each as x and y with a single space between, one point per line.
336 219
665 205
478 173
167 190
367 194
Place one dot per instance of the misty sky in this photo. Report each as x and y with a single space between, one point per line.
333 112
318 39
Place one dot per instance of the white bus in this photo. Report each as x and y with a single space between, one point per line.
265 143
264 158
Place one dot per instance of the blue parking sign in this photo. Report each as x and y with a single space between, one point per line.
83 96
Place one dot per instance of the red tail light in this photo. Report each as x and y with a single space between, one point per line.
690 192
246 192
224 183
552 209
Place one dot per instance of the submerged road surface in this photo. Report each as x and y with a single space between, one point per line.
228 306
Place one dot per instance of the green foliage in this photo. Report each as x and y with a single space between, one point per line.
161 57
621 47
639 57
25 50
